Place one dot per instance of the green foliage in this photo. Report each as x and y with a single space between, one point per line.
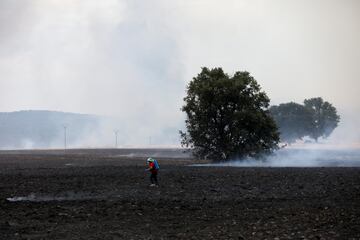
227 116
293 120
324 117
314 119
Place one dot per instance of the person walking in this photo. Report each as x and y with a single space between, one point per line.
153 168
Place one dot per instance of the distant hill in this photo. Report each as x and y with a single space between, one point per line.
43 129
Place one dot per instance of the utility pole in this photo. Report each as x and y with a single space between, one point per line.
65 128
116 132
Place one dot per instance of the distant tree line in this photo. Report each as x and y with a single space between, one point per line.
316 119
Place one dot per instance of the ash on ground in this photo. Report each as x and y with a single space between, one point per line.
191 202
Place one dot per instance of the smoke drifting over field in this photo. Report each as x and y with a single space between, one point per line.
67 196
300 158
130 59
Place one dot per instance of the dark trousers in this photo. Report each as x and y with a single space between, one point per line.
153 178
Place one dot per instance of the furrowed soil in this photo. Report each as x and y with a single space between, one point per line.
105 194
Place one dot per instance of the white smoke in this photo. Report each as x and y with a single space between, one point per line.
66 196
308 156
132 59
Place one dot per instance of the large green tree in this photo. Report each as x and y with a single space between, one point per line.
293 120
227 116
324 117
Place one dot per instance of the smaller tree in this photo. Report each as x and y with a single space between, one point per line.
293 120
324 117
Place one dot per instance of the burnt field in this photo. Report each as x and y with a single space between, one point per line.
105 194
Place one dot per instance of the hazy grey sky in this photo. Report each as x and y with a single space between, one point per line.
133 58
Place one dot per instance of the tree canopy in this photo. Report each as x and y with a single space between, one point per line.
324 117
293 120
227 116
316 118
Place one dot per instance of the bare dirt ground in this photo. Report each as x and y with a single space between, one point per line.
105 194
